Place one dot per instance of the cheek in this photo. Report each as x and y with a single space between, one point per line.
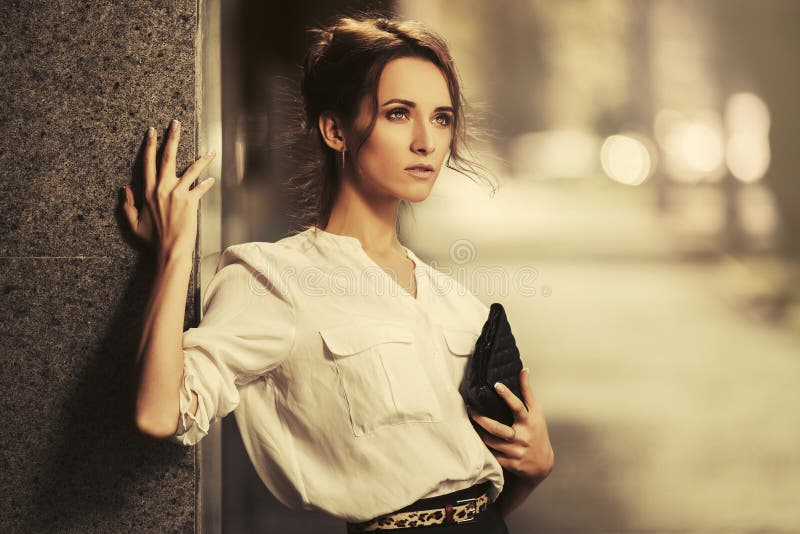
446 140
382 148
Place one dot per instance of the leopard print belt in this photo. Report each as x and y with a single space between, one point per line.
464 510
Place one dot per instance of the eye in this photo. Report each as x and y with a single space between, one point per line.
397 113
446 119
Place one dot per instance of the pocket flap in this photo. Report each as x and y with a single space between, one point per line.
349 339
461 342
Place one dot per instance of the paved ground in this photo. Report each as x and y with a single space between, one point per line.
670 409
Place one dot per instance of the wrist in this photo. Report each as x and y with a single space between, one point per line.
171 258
523 481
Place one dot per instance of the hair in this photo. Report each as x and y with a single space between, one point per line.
342 67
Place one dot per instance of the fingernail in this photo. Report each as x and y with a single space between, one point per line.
525 370
151 132
498 385
175 123
211 153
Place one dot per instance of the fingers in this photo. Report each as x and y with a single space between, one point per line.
150 161
203 187
512 400
194 171
527 389
500 445
138 228
129 208
166 177
496 428
167 173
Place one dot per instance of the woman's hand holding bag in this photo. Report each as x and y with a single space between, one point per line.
524 447
512 427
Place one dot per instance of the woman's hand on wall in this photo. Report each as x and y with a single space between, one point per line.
523 448
167 222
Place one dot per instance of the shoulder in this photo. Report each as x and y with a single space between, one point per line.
261 255
264 267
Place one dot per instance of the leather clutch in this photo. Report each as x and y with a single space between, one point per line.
495 359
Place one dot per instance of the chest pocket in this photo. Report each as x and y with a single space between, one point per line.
382 379
460 346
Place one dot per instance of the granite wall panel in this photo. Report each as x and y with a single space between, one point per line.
81 81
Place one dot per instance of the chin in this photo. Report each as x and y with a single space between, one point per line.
416 194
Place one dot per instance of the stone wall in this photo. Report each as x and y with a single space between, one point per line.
81 82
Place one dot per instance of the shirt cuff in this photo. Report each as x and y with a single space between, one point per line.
191 427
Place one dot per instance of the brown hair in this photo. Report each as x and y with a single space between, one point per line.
342 67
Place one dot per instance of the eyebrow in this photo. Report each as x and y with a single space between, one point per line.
411 104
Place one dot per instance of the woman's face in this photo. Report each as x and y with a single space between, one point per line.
413 129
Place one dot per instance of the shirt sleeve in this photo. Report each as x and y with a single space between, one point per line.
247 329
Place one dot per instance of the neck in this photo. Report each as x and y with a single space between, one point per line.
373 221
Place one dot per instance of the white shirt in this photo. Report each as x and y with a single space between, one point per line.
344 386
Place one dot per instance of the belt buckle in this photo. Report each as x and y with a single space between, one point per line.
472 512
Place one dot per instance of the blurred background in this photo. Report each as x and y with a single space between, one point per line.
644 239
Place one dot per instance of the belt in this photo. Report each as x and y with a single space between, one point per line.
463 511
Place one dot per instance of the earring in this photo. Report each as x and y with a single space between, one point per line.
343 151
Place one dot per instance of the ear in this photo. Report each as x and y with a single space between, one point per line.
332 131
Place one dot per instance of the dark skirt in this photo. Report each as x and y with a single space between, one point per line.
488 522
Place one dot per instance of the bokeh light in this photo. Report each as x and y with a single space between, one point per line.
625 159
693 147
747 151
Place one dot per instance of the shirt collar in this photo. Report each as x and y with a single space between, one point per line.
343 241
348 241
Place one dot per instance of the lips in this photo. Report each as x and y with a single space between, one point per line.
421 170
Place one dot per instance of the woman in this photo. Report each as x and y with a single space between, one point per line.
338 348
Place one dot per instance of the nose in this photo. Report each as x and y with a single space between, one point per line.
423 141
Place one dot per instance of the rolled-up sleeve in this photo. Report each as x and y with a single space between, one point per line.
247 329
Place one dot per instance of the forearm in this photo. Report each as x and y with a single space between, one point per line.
160 354
515 491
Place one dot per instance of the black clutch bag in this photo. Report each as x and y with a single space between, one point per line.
495 359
